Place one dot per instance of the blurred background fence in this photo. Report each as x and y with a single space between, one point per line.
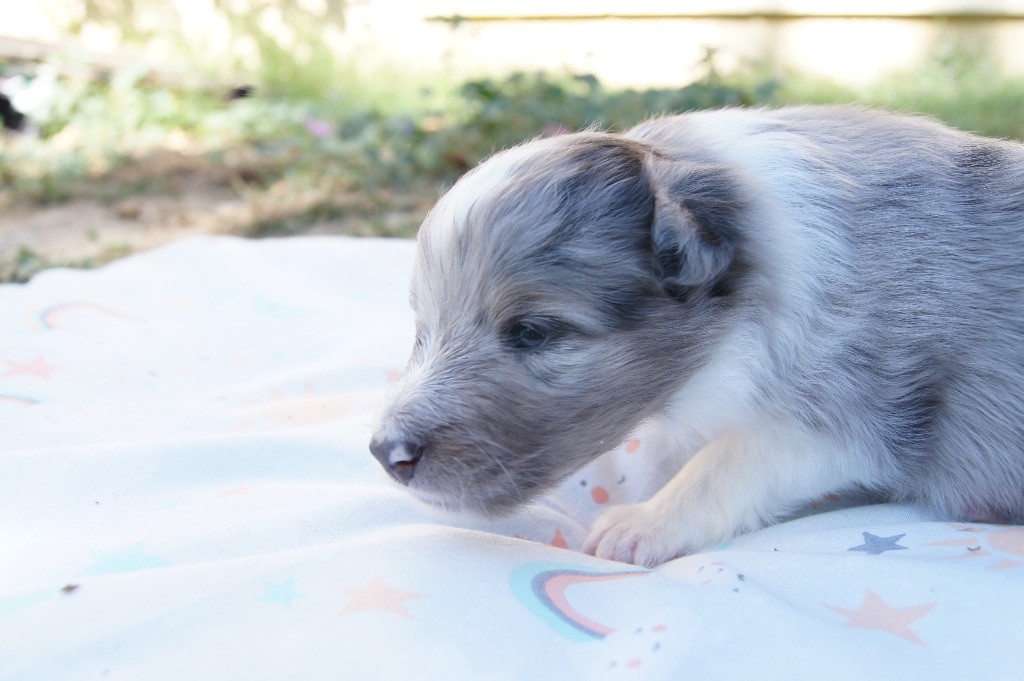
635 43
136 121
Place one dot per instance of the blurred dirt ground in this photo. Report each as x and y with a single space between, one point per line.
174 195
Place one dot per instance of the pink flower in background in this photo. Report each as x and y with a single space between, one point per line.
319 128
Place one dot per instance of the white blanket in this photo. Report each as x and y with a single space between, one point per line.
186 493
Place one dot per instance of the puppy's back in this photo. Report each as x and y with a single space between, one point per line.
893 251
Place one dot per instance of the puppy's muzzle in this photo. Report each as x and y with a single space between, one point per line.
398 458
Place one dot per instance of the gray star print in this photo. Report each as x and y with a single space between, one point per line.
875 545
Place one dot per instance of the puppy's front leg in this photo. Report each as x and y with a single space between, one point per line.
737 483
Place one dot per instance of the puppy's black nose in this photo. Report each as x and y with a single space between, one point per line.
398 458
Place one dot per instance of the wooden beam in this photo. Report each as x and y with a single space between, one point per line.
953 15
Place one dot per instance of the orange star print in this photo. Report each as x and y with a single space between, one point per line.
874 613
377 594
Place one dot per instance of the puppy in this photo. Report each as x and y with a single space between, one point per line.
808 300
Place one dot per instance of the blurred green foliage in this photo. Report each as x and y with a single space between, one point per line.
342 142
516 108
965 88
90 128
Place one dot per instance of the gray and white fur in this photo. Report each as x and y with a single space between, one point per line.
812 299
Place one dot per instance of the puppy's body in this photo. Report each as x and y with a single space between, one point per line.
811 299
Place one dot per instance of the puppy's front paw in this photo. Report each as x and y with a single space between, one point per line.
637 533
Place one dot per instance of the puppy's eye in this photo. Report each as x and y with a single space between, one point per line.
526 336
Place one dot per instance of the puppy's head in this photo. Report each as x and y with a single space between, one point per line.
563 291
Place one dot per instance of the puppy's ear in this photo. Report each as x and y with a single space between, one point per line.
694 228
